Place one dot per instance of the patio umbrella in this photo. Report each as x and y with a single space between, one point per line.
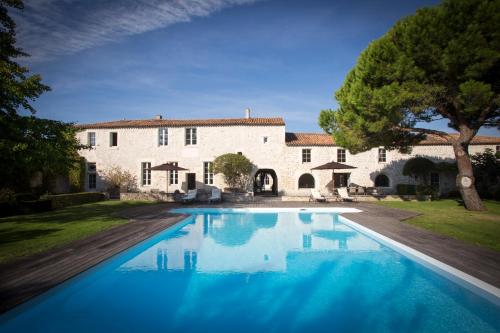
167 167
333 166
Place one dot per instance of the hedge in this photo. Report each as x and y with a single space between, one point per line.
406 189
64 200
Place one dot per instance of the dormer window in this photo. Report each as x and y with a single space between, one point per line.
191 137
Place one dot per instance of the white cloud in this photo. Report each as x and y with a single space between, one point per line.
49 28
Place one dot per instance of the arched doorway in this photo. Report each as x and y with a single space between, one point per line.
265 182
306 181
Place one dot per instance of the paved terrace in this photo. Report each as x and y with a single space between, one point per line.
31 276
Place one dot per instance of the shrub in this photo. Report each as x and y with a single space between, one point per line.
236 169
117 179
423 190
418 167
64 200
487 173
405 189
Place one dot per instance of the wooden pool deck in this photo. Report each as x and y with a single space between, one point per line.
24 279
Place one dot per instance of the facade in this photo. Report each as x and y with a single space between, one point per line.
282 160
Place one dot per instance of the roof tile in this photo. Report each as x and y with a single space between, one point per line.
185 122
321 139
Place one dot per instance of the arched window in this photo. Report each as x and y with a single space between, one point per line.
382 181
306 181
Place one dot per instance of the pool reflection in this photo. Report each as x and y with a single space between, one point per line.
249 242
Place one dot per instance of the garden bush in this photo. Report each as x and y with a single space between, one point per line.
405 189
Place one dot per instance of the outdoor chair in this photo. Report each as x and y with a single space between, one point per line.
216 196
316 196
190 196
361 191
344 195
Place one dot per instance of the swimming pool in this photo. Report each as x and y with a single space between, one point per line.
259 270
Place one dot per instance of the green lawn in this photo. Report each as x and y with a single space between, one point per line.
447 217
27 234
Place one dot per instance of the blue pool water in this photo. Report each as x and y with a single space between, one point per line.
249 272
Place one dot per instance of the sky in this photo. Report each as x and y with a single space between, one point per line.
129 59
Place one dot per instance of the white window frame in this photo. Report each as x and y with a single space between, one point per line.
341 155
190 136
382 155
163 136
91 141
173 175
146 173
208 174
306 155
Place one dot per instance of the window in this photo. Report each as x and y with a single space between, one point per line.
191 136
265 139
266 180
306 155
162 136
435 180
240 153
146 173
173 175
91 139
306 181
208 175
341 155
498 152
91 176
382 156
382 181
113 139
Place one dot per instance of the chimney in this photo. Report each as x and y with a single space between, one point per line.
247 113
158 117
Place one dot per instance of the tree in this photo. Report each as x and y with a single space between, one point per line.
17 89
442 62
419 167
27 144
236 169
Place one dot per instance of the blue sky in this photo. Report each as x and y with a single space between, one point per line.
116 59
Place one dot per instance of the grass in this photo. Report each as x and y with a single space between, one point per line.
28 234
448 217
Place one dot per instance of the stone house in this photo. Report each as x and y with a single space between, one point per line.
283 161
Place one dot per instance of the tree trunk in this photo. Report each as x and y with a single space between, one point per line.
465 179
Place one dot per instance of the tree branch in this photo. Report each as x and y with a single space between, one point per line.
441 134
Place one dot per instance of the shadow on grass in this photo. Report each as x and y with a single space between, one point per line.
102 211
12 235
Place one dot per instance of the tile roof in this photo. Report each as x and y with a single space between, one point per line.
185 122
321 139
308 139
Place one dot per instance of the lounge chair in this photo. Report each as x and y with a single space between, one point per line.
344 195
316 196
216 196
190 196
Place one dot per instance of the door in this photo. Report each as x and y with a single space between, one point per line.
341 179
191 181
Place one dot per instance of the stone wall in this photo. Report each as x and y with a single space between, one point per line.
137 145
